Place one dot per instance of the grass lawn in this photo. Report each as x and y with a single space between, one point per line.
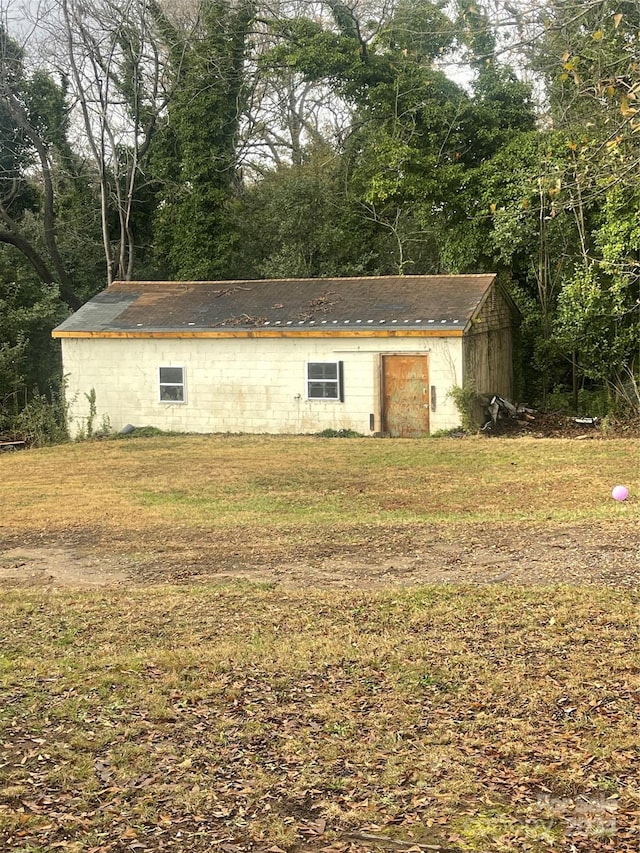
284 496
245 716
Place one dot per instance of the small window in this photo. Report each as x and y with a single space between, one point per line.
171 384
324 380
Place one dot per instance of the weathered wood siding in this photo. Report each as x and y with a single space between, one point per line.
488 348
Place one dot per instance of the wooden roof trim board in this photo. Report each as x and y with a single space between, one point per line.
399 332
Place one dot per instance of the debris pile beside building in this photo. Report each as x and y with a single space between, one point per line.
503 417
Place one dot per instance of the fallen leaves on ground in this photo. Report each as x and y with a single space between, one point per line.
248 718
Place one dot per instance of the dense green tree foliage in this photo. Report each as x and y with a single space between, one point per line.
233 138
306 224
195 165
589 59
36 157
49 236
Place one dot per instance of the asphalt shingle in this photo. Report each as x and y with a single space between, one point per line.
398 301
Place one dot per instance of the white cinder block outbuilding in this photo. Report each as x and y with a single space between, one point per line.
374 355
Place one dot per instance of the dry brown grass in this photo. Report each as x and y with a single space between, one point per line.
184 719
249 717
290 492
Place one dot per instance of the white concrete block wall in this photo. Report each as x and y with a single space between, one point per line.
253 385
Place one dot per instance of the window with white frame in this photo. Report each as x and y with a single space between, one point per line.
325 380
171 385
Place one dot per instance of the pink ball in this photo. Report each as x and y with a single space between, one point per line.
620 493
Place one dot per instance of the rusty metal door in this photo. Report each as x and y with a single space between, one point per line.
405 395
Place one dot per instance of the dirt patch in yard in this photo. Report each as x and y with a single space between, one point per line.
537 557
603 555
58 567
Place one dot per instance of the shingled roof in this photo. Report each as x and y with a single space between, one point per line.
213 308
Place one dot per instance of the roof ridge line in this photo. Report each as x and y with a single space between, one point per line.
241 281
